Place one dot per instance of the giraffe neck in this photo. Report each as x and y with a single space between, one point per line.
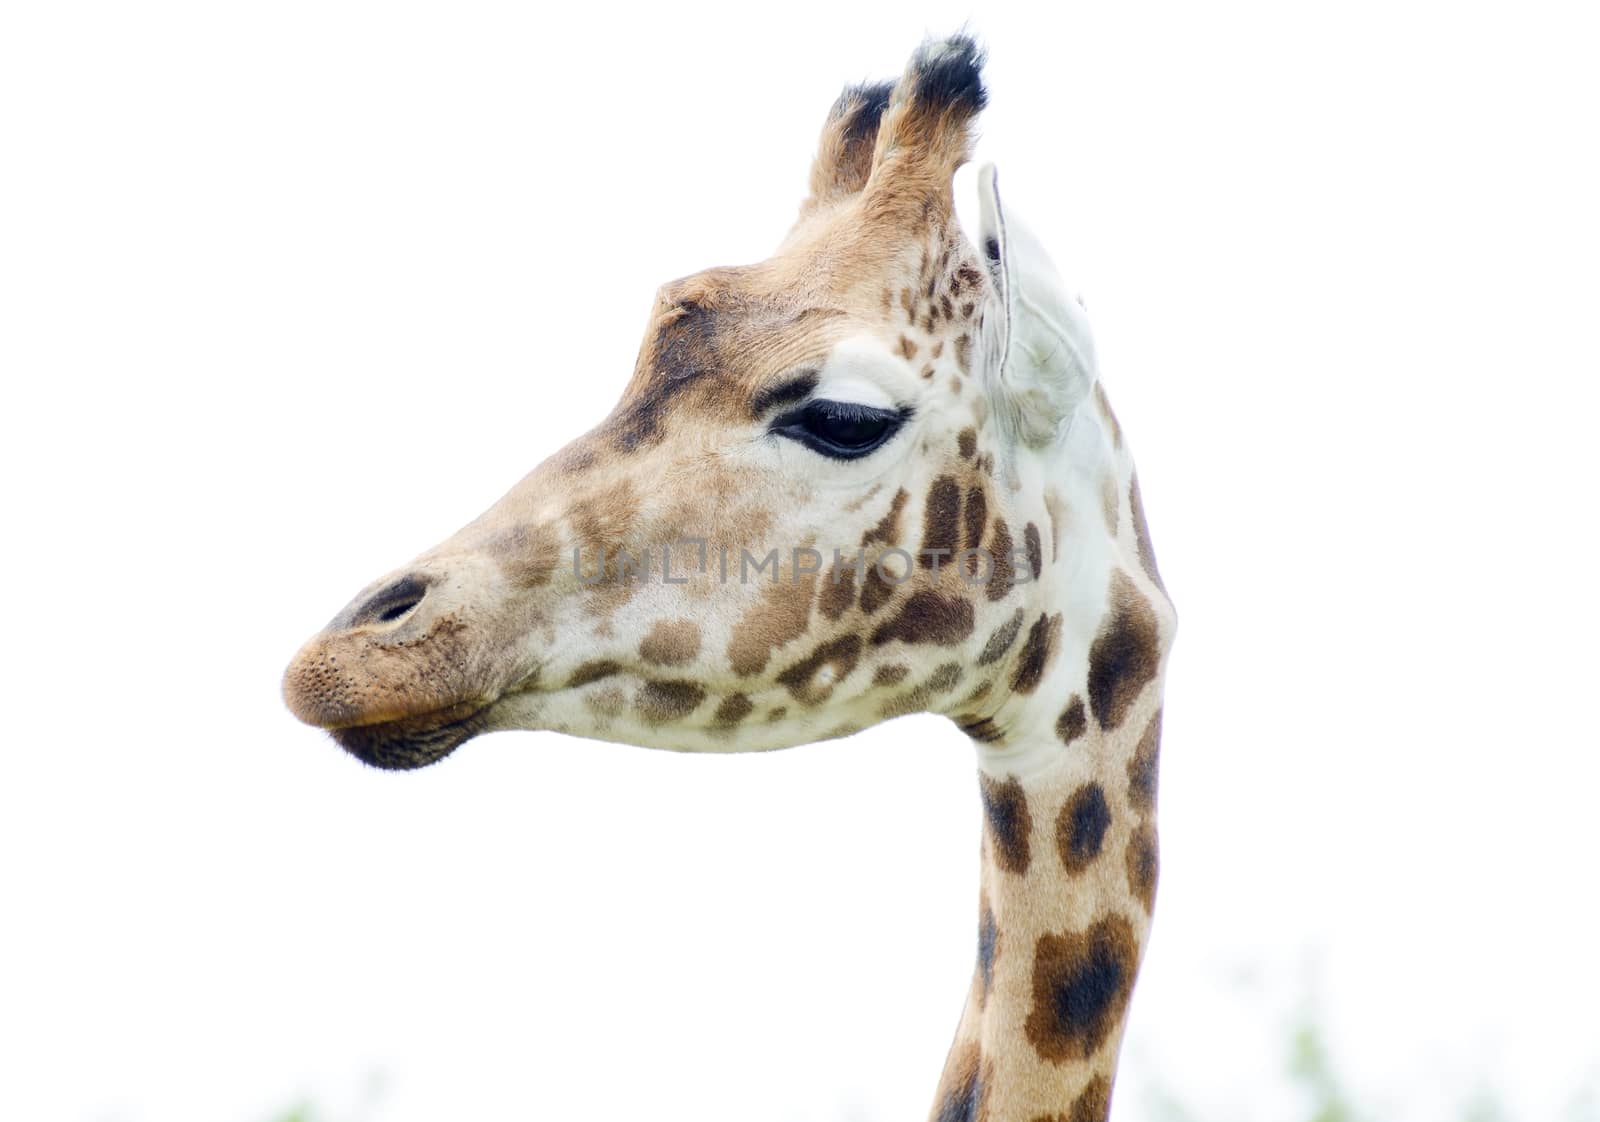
1068 875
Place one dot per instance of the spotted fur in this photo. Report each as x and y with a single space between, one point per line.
1081 984
960 569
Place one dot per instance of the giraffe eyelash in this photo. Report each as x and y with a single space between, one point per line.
841 430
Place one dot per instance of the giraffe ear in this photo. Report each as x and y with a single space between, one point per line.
844 151
1046 351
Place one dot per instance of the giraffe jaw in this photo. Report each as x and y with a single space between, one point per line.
419 739
413 742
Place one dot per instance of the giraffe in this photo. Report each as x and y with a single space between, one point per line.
873 475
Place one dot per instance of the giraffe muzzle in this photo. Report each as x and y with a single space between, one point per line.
407 671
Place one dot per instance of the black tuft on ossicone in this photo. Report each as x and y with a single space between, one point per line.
862 107
949 73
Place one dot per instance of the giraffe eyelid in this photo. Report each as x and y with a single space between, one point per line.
842 430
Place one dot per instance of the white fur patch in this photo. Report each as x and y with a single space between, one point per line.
861 370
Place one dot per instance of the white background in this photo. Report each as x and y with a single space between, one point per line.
290 291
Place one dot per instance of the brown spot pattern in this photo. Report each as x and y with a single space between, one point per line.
890 674
988 948
1005 807
1144 864
528 555
1001 576
887 530
1144 767
928 617
1036 652
592 672
1072 722
780 615
734 708
670 643
1081 984
941 520
1000 642
1125 655
961 1093
838 589
982 729
1030 542
875 590
946 677
967 443
912 701
1093 1104
669 701
1081 827
976 515
840 654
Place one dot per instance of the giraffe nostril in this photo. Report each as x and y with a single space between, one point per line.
395 611
392 603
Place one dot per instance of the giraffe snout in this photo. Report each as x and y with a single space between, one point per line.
412 647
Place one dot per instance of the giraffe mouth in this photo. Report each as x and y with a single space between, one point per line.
413 742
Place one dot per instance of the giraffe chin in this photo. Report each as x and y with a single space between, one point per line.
414 742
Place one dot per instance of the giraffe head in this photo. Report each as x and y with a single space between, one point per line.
842 485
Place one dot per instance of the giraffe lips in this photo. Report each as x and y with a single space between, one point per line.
414 741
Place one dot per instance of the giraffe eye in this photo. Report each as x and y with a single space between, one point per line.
841 429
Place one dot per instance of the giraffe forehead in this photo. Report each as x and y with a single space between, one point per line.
710 359
722 338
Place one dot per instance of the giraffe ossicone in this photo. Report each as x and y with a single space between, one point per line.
872 475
